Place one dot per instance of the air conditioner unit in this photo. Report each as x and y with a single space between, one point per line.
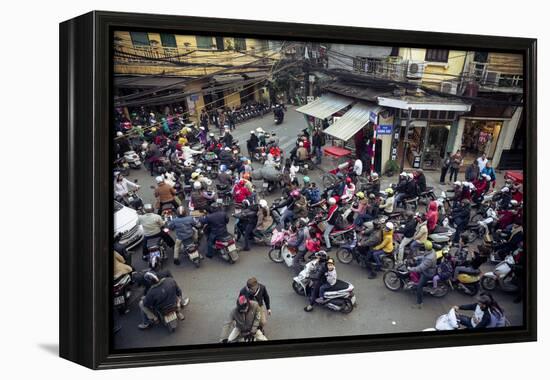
449 87
491 78
415 70
394 59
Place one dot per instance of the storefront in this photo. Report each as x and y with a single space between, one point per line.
480 137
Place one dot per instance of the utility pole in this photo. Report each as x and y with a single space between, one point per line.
406 139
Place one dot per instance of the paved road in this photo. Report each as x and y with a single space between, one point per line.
214 286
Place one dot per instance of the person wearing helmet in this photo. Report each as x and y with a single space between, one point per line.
388 204
247 221
227 138
460 215
329 280
201 199
385 247
296 207
164 293
427 269
252 144
301 231
183 226
333 216
265 220
312 193
408 231
165 194
152 228
405 189
420 179
482 186
314 270
432 216
241 192
373 186
244 322
349 191
123 186
421 234
360 209
216 221
301 153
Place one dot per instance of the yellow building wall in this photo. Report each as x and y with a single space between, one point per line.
436 72
186 44
232 99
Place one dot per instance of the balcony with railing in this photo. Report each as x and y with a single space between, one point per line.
490 78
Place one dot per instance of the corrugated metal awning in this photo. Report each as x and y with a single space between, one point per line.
149 82
353 120
256 74
325 106
226 78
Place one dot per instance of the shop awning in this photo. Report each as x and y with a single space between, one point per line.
226 78
150 82
353 120
432 103
325 106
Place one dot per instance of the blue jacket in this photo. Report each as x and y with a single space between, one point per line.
217 223
183 227
491 172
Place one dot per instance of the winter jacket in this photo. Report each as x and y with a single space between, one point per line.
217 223
264 222
421 234
481 318
300 207
151 223
427 266
421 182
122 187
318 139
120 267
260 295
302 154
372 239
165 192
387 205
198 200
489 171
249 321
227 139
331 277
471 174
252 143
410 228
332 215
432 216
461 215
162 295
240 193
183 226
387 242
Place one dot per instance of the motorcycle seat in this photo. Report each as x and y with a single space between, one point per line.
340 285
225 238
154 242
437 247
470 271
427 191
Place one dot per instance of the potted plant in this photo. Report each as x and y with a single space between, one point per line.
392 167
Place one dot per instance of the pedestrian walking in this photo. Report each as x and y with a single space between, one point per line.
445 163
456 162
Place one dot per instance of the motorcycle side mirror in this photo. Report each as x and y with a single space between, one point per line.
135 180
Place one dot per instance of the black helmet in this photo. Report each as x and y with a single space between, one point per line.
181 211
151 277
215 206
245 203
242 304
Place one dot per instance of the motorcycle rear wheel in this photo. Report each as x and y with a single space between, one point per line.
387 263
392 281
298 288
488 283
276 255
441 291
344 255
347 307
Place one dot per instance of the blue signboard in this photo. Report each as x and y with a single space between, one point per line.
384 129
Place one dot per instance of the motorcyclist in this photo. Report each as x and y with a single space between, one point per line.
373 186
385 247
217 222
420 179
201 199
165 193
248 219
349 191
244 322
163 294
265 220
482 187
255 291
460 216
408 231
315 270
368 238
504 198
482 314
152 228
427 269
360 209
185 234
252 143
226 157
296 207
241 192
407 190
332 218
388 203
301 232
421 234
123 186
432 216
312 193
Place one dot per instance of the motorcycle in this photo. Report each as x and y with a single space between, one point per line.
156 249
442 234
133 200
339 297
121 293
348 252
502 276
167 212
122 166
280 251
132 159
227 248
338 236
396 279
446 322
191 250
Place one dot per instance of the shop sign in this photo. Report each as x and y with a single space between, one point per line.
384 129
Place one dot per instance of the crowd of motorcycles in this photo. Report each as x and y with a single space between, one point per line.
491 223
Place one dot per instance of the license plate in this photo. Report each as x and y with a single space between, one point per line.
194 255
265 184
209 168
170 317
353 300
232 248
119 300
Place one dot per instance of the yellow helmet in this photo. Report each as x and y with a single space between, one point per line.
194 175
389 191
153 129
360 195
183 131
428 245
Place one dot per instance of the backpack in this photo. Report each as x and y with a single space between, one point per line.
445 270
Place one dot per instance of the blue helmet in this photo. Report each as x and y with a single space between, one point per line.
223 168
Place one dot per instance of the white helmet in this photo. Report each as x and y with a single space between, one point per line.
252 132
262 203
374 175
403 174
159 179
458 183
410 175
197 185
259 129
208 181
389 226
301 143
119 134
505 189
513 202
187 163
331 201
487 177
227 148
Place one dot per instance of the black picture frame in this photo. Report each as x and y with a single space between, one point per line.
85 189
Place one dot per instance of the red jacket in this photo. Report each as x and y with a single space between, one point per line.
241 193
432 216
481 187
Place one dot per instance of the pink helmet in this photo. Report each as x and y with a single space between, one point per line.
295 193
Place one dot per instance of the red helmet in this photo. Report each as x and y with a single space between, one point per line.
313 245
348 180
242 182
